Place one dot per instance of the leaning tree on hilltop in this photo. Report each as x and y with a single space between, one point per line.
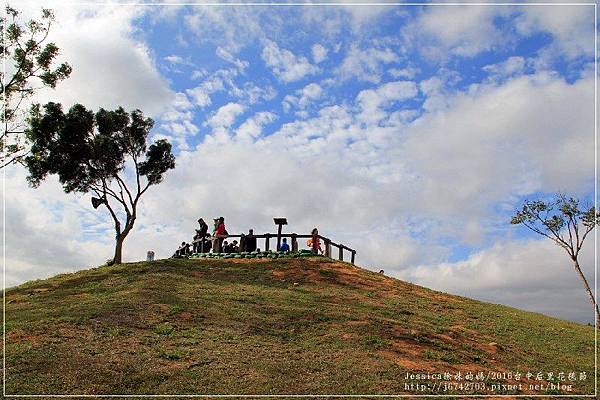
566 224
89 153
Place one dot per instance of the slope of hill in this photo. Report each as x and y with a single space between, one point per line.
284 326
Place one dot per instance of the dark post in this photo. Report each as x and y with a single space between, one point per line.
267 237
294 242
279 222
353 254
327 247
341 253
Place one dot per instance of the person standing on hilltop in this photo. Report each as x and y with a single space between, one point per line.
315 243
203 228
250 241
219 233
200 235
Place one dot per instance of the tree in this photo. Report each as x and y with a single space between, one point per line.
89 153
32 69
566 224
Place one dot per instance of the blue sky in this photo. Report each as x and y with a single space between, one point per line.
411 133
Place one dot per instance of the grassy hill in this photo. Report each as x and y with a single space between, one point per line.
283 326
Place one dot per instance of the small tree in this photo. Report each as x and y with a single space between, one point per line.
89 152
566 224
29 66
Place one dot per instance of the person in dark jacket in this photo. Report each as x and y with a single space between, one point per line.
199 236
250 241
226 247
203 228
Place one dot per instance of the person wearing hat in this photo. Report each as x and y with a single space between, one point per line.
220 233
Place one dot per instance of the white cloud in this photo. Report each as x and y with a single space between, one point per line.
514 65
571 26
286 65
443 31
533 275
174 59
227 56
365 64
117 70
200 95
373 101
225 80
303 97
251 93
177 121
332 22
35 218
252 127
467 30
319 53
532 133
199 73
226 115
407 73
231 27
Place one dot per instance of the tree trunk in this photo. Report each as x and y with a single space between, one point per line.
119 249
588 289
121 238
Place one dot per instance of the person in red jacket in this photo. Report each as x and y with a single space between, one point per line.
220 233
314 243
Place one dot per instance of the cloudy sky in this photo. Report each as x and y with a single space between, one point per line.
410 133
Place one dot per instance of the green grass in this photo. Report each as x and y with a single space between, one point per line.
283 326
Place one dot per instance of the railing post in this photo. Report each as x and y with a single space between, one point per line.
294 242
327 247
341 253
353 254
267 237
278 237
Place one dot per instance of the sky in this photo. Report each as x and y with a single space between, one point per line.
410 133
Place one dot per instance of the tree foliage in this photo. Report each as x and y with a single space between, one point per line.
89 153
30 65
550 218
566 223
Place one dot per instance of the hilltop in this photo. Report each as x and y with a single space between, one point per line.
270 326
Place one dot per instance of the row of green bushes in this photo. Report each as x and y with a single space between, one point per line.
256 254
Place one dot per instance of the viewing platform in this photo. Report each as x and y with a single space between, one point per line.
313 239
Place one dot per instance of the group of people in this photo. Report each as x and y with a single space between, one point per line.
203 242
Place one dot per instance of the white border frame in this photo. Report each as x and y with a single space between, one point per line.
296 4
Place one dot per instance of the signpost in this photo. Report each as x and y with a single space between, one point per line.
279 222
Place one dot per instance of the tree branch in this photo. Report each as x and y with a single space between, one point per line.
534 229
122 184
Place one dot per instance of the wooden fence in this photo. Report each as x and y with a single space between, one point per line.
328 243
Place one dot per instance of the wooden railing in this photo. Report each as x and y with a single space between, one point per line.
328 243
